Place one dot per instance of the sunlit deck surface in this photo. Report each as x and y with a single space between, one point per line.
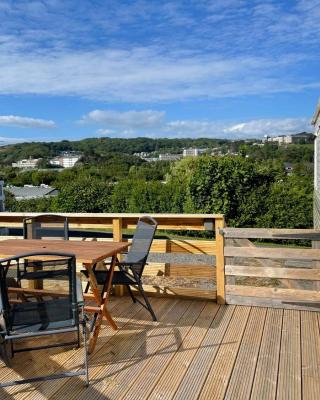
197 350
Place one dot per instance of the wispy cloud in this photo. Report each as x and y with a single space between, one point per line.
155 124
278 126
25 122
178 50
134 119
10 140
145 75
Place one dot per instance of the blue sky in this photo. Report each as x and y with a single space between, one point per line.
204 68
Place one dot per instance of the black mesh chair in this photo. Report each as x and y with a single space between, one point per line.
47 226
54 314
132 266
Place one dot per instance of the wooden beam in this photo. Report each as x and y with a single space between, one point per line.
272 253
274 293
262 233
220 273
307 274
117 237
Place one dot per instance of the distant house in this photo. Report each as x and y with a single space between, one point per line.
28 192
65 160
29 163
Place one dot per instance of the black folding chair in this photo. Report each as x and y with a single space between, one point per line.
131 268
46 226
54 314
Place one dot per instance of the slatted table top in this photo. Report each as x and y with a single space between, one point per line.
85 252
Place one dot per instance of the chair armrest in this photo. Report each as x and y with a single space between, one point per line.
80 299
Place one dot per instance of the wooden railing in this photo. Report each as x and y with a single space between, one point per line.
196 280
282 277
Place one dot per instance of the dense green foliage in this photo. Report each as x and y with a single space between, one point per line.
251 189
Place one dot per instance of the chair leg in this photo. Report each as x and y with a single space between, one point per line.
87 287
147 302
131 294
93 322
85 345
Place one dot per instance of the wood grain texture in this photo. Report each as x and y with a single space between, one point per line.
263 233
272 253
195 350
274 293
220 263
312 274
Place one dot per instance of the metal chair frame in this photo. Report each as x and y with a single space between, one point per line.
73 305
38 232
130 272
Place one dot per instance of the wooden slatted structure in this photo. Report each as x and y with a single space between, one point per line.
290 279
196 350
161 279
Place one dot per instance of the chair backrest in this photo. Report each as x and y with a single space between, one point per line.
66 268
141 243
47 226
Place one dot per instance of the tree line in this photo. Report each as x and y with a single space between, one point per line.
250 192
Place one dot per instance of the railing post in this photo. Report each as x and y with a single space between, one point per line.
220 264
117 237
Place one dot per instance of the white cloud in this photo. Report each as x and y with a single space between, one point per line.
106 131
155 124
134 119
10 140
280 126
145 75
25 122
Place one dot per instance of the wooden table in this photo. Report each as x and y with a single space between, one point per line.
88 254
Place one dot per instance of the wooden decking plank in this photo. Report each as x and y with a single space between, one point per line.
265 381
47 389
110 376
310 352
145 381
241 380
289 378
220 371
30 364
128 371
115 350
174 373
198 370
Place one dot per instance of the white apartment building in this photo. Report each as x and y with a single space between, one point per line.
282 139
66 160
169 157
193 152
29 163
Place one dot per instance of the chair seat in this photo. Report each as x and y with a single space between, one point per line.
43 275
119 278
38 316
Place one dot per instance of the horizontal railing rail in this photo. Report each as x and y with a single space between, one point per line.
270 274
197 277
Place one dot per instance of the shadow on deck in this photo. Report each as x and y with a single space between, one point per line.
197 350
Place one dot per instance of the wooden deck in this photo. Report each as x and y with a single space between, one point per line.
197 350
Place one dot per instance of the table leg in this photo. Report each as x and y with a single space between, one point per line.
103 303
93 284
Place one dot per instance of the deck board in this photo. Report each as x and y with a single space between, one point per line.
197 349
